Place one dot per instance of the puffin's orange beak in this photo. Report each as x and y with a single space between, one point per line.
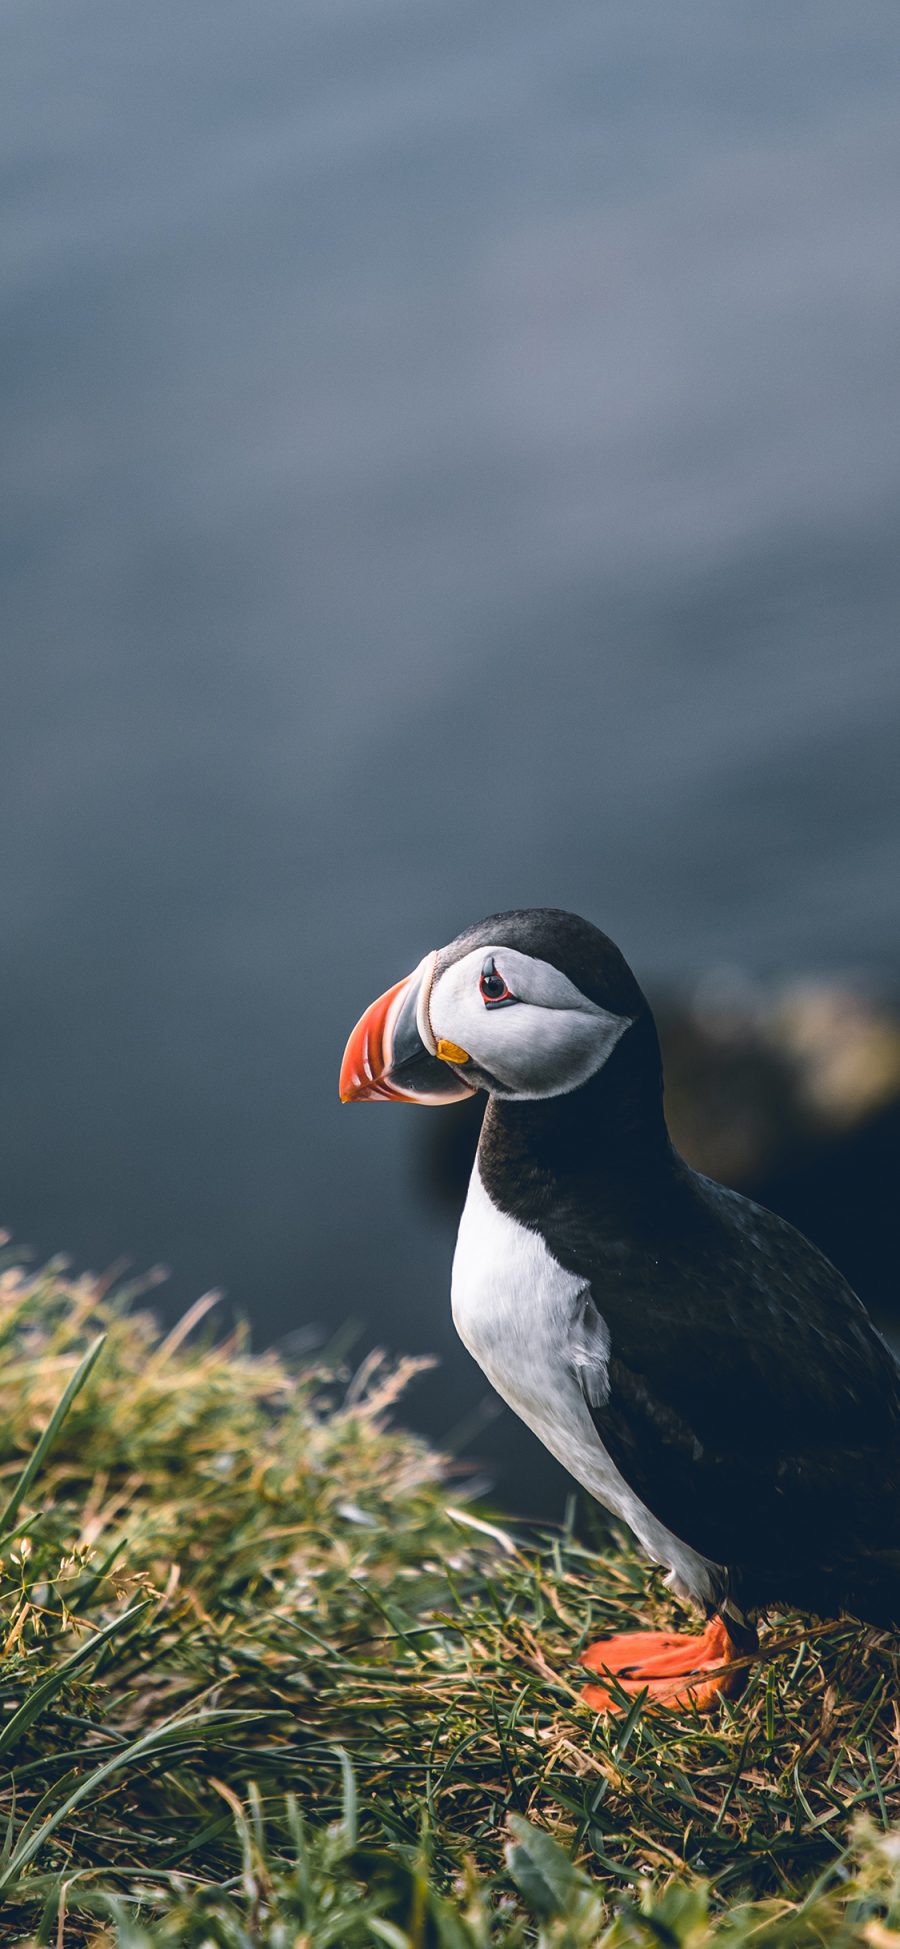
392 1056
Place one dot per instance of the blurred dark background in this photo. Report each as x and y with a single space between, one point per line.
451 462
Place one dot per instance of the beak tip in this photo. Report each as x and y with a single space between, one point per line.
386 1059
354 1087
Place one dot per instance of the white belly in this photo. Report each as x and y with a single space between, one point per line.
517 1310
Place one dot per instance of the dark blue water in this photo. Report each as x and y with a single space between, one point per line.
451 461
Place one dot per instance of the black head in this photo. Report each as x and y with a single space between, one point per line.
536 998
578 949
528 1005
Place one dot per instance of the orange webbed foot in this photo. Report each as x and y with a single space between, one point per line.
660 1663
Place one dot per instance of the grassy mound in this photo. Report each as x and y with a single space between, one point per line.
261 1683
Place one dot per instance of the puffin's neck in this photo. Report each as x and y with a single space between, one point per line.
605 1144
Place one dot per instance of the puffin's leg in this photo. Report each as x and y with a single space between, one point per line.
662 1663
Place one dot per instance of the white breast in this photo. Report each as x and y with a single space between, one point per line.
518 1312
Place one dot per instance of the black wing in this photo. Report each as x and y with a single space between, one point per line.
752 1406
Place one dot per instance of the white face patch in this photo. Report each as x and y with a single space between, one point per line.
550 1040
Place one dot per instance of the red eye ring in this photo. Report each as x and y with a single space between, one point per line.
492 986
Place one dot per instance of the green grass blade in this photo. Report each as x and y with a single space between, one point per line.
43 1446
168 1733
34 1702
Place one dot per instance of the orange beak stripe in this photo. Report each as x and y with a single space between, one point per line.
391 1055
362 1070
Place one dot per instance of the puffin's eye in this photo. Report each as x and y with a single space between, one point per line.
492 985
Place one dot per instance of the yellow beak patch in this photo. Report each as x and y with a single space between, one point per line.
451 1051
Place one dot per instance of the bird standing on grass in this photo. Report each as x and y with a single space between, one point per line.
694 1362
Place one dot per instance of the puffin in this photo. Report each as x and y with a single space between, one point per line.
691 1359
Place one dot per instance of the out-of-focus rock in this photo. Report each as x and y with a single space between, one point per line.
755 1074
846 1048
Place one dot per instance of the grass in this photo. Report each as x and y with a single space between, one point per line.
264 1685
